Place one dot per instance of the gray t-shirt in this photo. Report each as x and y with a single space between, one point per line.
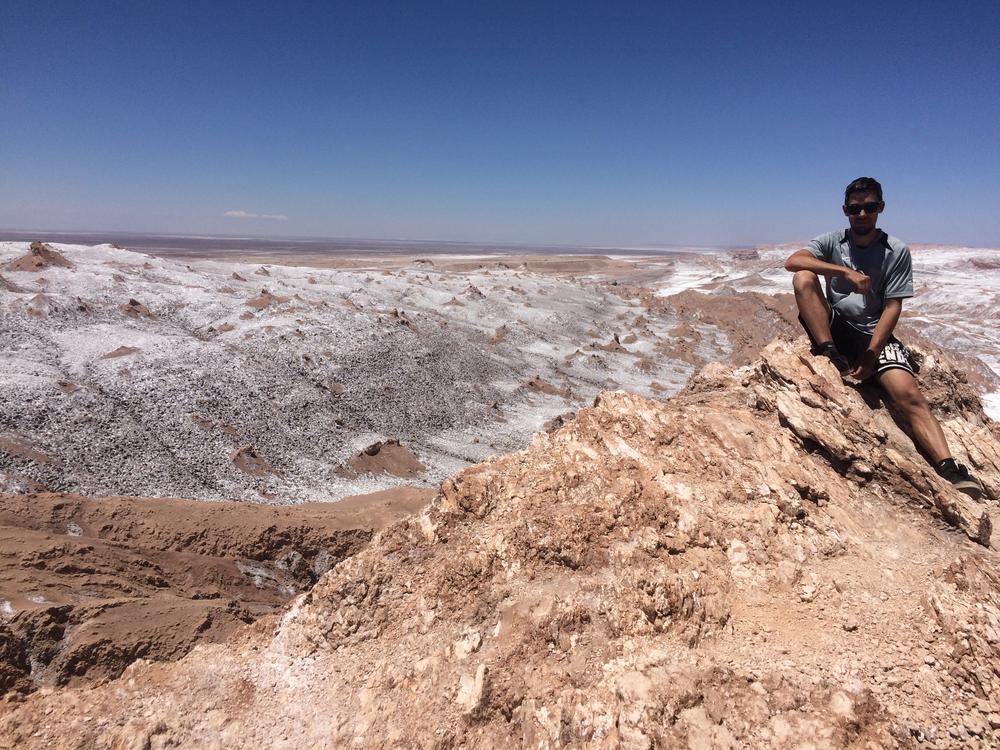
886 261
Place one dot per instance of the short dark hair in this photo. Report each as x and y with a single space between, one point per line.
863 185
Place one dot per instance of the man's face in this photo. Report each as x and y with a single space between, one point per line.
862 210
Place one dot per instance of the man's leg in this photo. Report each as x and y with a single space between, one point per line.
901 387
814 314
907 399
813 307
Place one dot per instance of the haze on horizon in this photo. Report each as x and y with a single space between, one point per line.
683 123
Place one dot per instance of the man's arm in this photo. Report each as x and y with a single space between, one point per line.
883 330
803 260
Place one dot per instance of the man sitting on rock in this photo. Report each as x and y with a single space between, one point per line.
868 275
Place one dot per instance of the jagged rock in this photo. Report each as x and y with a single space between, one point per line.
631 578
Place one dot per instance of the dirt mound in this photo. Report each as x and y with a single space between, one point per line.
41 305
763 561
248 460
39 256
540 385
135 309
500 334
16 447
614 345
121 351
87 586
266 299
389 457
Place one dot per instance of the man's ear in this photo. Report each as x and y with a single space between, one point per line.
844 209
881 206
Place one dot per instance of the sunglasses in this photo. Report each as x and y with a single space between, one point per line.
869 208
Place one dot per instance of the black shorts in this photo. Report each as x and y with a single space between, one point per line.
852 343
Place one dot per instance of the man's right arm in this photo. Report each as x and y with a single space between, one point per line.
803 260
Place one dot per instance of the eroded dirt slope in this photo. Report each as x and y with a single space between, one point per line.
88 585
763 561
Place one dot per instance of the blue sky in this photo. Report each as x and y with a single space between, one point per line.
713 123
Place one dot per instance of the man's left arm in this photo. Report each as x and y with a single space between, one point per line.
883 330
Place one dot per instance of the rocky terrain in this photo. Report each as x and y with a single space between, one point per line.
127 374
273 378
761 561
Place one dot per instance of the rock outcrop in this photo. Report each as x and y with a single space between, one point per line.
763 561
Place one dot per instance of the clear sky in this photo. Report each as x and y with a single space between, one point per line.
714 123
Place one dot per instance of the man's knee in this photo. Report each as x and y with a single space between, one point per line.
910 400
805 281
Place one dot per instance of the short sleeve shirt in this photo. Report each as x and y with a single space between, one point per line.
886 262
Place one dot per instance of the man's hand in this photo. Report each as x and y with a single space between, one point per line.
865 367
862 284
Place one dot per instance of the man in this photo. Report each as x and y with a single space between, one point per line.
868 275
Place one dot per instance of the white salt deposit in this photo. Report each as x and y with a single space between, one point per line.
210 374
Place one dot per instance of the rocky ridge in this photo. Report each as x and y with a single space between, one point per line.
762 561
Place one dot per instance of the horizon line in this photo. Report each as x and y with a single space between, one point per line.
433 241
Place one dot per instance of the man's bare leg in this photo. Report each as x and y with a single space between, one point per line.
902 389
906 397
813 307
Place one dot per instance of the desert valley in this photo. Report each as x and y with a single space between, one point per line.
433 498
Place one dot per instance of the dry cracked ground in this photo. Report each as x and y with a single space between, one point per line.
763 560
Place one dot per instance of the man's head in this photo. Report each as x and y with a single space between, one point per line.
862 204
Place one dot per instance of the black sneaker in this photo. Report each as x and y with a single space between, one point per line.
959 477
829 350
